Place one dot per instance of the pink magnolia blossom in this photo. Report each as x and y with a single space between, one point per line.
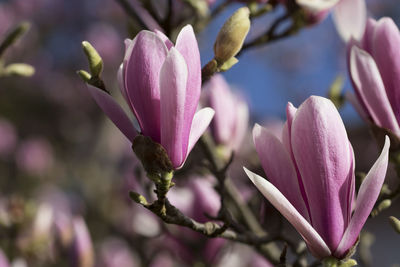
317 10
82 247
311 177
116 253
196 200
374 65
3 260
161 84
231 118
35 156
350 17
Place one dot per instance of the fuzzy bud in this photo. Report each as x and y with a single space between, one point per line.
19 69
95 61
395 223
231 36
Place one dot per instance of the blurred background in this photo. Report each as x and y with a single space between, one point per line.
62 160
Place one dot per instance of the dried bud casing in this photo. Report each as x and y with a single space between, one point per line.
232 34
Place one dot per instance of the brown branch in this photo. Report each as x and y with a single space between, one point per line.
131 12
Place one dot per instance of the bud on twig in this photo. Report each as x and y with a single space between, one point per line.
18 69
384 204
228 64
395 223
13 36
138 198
231 36
95 61
85 76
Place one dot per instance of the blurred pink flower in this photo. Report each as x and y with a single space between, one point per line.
205 198
317 10
374 65
116 253
3 259
106 40
34 156
350 18
311 177
82 247
8 138
162 260
231 118
195 200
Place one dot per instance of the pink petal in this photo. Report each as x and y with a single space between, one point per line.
278 200
174 128
321 151
290 112
386 53
367 196
348 204
121 84
240 124
286 140
207 201
317 5
165 39
142 71
113 111
350 18
186 44
278 167
222 101
201 121
368 38
357 105
367 81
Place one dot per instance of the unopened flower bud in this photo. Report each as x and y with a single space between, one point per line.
228 64
19 69
95 61
395 223
384 204
231 36
85 76
14 35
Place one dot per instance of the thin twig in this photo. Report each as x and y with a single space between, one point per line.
270 251
131 12
168 19
270 35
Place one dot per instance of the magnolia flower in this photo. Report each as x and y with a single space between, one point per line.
317 10
195 200
350 17
161 84
35 156
115 253
82 247
375 72
3 260
231 113
311 177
